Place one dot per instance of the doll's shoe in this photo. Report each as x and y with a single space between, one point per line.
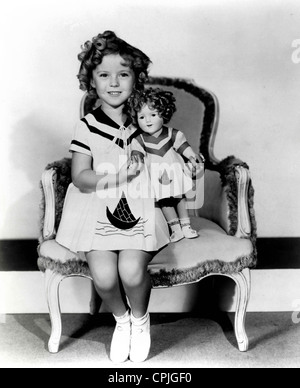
188 232
140 338
120 344
176 236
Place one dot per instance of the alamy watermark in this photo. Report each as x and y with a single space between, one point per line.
296 53
159 180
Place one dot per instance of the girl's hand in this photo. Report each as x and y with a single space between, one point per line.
131 169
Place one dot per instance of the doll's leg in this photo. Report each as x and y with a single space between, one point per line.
184 220
133 270
104 269
168 207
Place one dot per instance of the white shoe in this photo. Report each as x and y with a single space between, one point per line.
120 344
188 232
140 338
176 236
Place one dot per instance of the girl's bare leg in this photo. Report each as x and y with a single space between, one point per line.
133 270
104 269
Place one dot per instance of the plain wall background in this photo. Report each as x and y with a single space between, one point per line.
241 50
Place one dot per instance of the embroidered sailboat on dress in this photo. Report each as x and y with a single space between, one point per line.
122 217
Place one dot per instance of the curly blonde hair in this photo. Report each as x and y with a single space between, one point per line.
161 100
108 43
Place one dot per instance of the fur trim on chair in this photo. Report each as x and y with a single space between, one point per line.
162 278
165 278
71 267
63 179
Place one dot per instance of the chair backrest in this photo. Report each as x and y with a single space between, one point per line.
197 113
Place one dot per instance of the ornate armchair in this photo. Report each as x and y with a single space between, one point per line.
226 221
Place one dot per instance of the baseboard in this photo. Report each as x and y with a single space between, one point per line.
275 283
271 290
278 252
273 253
18 255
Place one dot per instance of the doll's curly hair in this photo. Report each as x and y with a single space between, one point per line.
108 43
161 100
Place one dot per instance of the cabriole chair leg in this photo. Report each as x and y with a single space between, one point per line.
242 280
53 280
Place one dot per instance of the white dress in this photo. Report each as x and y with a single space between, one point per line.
115 218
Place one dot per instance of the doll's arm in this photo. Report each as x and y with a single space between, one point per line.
182 146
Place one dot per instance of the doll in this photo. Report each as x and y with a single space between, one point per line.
164 150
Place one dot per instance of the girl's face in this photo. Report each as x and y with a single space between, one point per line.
149 120
113 81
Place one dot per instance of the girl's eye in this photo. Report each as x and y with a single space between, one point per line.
103 75
123 75
141 118
154 114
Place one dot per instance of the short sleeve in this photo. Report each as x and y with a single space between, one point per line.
80 140
180 143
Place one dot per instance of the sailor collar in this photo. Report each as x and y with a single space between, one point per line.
103 118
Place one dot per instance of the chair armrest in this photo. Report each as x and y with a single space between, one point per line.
55 182
228 198
48 185
243 222
236 181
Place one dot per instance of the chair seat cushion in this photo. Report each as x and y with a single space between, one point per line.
184 262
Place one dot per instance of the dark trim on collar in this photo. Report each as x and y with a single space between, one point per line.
103 118
119 142
97 130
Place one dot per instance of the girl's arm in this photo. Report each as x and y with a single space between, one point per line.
88 181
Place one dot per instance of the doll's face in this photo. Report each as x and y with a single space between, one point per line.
149 120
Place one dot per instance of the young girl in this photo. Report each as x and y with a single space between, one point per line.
118 234
165 150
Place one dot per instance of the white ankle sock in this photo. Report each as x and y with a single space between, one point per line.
123 318
120 344
139 321
140 338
